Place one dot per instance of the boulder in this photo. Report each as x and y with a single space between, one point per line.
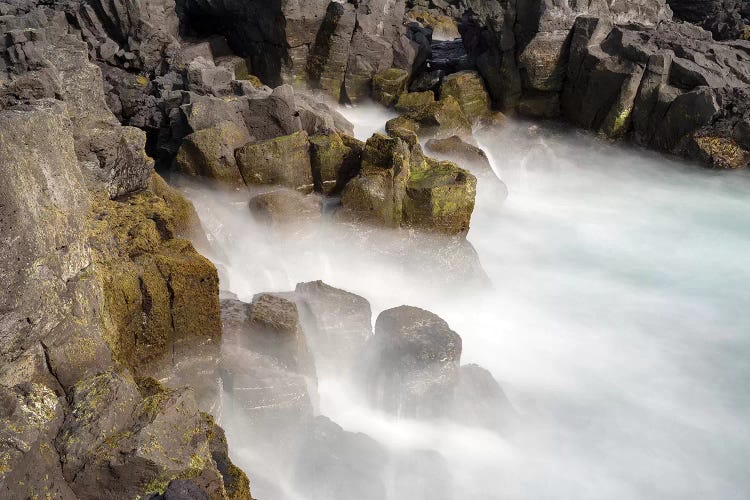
283 161
440 198
337 324
468 89
412 363
210 152
443 27
262 355
388 85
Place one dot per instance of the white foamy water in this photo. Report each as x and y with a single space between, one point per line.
616 323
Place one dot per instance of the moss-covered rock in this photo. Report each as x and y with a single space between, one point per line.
467 87
720 152
388 85
443 27
443 118
156 287
210 152
401 123
440 198
399 186
283 161
414 104
333 162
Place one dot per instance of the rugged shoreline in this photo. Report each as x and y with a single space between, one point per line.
110 311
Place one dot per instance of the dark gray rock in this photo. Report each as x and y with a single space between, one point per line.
412 363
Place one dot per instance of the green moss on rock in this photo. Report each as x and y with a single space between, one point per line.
388 85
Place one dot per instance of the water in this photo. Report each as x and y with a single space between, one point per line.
616 323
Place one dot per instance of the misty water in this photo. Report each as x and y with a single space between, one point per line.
616 322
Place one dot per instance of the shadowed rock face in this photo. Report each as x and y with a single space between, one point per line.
726 19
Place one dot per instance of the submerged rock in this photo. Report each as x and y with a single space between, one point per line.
339 465
287 212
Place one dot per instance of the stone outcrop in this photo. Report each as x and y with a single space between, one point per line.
101 289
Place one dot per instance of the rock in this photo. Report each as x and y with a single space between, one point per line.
287 211
337 324
412 363
456 149
727 20
30 418
468 89
338 465
540 105
480 400
543 62
443 27
427 81
398 186
283 161
210 152
644 88
443 118
388 85
473 159
163 438
204 77
265 390
449 57
440 198
333 162
180 489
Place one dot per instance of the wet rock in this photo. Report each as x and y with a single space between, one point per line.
337 323
398 186
449 56
440 198
339 465
388 85
427 81
210 152
412 363
480 400
283 161
468 89
287 212
443 118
